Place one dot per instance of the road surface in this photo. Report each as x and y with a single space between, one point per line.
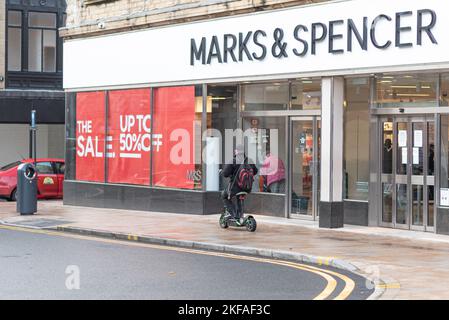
36 264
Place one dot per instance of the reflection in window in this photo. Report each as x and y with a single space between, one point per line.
42 42
274 96
270 152
444 152
221 116
356 144
44 168
409 90
387 149
444 90
14 40
306 94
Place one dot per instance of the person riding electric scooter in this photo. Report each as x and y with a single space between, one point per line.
241 176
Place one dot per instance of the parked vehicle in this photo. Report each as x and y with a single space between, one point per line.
50 173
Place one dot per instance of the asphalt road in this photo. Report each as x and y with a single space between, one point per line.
41 265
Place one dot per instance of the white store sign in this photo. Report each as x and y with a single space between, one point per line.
340 37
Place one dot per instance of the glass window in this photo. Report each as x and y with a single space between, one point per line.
44 168
444 170
14 40
273 96
60 167
406 90
35 50
90 136
266 148
444 90
306 94
49 51
356 135
14 18
129 136
14 49
42 19
221 118
175 160
42 39
10 166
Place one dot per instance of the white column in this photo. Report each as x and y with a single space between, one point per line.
332 139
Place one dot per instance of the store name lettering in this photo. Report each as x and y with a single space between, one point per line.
256 45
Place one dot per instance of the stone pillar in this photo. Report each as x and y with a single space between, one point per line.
331 195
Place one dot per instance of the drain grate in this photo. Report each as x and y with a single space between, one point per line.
41 223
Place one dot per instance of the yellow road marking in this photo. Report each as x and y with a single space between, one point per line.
326 274
389 286
349 283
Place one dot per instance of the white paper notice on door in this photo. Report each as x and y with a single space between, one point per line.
444 197
415 155
402 138
417 138
404 155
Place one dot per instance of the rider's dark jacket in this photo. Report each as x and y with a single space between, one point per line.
230 171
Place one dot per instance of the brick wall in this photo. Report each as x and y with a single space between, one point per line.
93 17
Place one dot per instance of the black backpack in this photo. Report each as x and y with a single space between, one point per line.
245 177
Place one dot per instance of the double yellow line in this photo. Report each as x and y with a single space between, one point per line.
329 276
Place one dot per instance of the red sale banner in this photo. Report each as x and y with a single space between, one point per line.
174 115
129 137
90 129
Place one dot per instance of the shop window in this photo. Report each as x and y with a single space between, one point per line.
273 96
306 94
175 137
266 148
221 118
444 154
356 135
444 90
90 136
406 90
129 141
14 40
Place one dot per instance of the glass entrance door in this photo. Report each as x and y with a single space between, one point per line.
304 166
407 172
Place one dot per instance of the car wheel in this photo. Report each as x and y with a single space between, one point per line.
14 195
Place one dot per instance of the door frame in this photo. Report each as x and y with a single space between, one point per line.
316 167
409 120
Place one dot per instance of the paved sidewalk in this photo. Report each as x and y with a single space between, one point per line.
418 262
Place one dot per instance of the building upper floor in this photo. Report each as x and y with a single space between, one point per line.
31 48
93 17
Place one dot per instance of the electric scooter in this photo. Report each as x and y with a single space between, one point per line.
239 221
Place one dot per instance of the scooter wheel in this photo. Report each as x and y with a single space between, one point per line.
251 224
223 222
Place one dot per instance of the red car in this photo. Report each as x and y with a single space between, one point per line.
50 173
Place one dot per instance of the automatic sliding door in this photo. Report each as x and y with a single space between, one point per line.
408 173
401 175
387 171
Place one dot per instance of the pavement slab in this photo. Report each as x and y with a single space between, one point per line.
415 264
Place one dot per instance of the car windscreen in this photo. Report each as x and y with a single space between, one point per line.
10 166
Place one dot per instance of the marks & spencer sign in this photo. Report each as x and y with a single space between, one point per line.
336 37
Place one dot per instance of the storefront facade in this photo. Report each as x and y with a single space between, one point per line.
348 98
